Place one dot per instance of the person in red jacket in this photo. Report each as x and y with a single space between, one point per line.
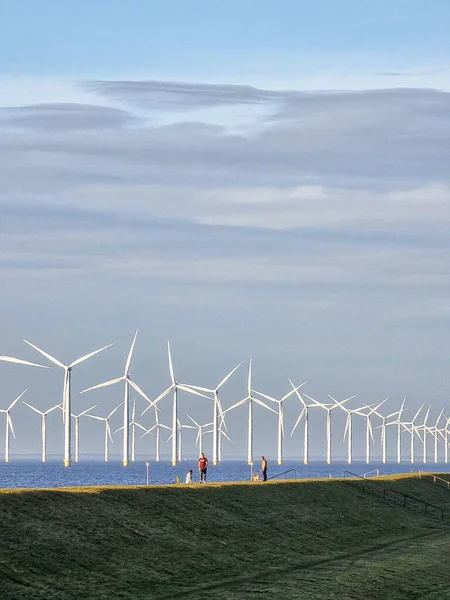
202 466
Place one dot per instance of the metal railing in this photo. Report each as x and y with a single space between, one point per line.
435 478
376 471
284 473
401 498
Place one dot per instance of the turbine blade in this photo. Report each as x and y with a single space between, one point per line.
32 408
193 420
101 385
191 391
16 400
198 387
249 383
227 377
172 376
49 356
87 410
237 404
141 392
268 397
300 417
114 410
264 405
8 417
130 354
286 396
160 397
19 361
86 356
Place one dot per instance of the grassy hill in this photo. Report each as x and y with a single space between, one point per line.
310 540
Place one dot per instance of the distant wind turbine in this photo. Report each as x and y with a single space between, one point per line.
174 387
217 409
43 425
9 425
126 403
77 430
304 414
280 418
133 424
107 427
348 432
157 427
371 410
250 399
67 401
329 408
200 432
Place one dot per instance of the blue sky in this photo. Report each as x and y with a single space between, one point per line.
246 179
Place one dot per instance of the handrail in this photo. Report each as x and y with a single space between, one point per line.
405 497
377 471
283 473
435 478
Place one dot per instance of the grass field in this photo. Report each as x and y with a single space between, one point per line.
312 540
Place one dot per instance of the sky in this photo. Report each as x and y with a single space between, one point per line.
264 180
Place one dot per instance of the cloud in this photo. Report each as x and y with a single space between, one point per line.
60 117
178 96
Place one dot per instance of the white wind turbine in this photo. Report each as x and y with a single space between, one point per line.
157 427
443 432
200 432
126 402
67 399
9 425
436 431
426 429
217 409
280 418
383 426
372 410
174 387
329 408
134 424
107 427
221 433
304 414
400 428
77 430
249 399
412 430
348 432
43 425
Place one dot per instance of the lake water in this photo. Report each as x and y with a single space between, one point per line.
34 474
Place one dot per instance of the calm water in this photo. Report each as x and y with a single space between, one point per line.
32 473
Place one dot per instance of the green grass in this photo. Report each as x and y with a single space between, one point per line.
319 539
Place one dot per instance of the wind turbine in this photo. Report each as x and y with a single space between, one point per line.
217 410
444 434
348 432
426 429
107 427
435 432
280 417
133 424
174 386
304 414
77 430
400 427
383 426
9 425
67 400
369 431
157 426
412 431
328 408
126 402
44 425
200 432
249 398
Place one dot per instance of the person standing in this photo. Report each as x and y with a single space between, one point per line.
202 466
264 468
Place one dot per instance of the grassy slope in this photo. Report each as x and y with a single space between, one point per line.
320 539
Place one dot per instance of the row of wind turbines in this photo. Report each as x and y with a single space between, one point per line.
217 427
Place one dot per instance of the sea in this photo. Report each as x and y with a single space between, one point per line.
31 473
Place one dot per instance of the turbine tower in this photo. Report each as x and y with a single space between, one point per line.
369 431
329 408
217 409
77 430
304 414
9 425
43 426
67 400
107 427
249 399
126 402
280 418
348 432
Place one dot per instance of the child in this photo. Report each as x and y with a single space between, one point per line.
189 477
